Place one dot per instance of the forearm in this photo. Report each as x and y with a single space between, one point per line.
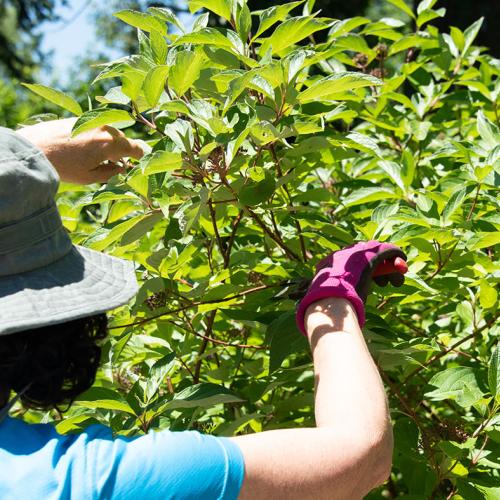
349 391
350 451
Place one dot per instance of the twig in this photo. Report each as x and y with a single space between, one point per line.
445 261
290 253
227 255
453 347
216 230
184 364
228 344
438 356
138 116
290 202
196 304
476 458
204 344
474 203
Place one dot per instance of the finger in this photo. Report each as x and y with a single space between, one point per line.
381 280
105 171
122 147
135 149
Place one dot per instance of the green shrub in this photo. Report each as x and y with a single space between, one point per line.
270 150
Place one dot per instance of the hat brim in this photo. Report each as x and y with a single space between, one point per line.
82 283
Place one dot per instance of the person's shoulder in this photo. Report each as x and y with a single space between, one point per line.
15 145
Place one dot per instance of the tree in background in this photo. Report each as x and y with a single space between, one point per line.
113 33
19 40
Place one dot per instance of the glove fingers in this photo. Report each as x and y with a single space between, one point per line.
367 275
381 280
396 279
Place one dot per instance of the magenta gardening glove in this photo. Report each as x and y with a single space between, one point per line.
347 274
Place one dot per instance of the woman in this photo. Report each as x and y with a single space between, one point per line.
53 297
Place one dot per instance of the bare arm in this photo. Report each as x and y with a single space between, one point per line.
80 159
350 451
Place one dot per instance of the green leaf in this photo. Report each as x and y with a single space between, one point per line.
488 131
100 117
483 240
367 195
220 7
254 193
455 201
488 295
401 5
466 313
451 384
114 96
132 81
206 36
200 22
56 97
341 27
285 339
244 22
167 15
365 143
185 71
425 5
471 33
203 395
274 14
141 20
159 47
428 15
142 227
394 171
100 398
103 238
494 373
154 84
340 82
160 161
290 32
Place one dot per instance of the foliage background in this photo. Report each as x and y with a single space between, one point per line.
269 150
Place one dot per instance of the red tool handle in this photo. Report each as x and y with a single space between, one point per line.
399 265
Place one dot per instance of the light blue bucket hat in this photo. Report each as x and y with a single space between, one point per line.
44 278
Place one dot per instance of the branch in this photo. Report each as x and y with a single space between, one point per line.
216 230
230 244
445 261
196 304
453 347
290 253
138 116
204 344
471 211
290 203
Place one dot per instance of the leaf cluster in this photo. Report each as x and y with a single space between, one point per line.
268 150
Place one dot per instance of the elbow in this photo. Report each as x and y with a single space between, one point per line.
376 462
380 457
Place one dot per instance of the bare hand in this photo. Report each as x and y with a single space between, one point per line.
87 158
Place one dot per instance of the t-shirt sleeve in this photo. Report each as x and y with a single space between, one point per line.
176 465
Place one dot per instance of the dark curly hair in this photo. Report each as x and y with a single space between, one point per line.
52 364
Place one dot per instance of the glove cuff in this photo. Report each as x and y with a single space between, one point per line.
341 290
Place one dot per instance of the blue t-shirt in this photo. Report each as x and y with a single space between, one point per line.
37 462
